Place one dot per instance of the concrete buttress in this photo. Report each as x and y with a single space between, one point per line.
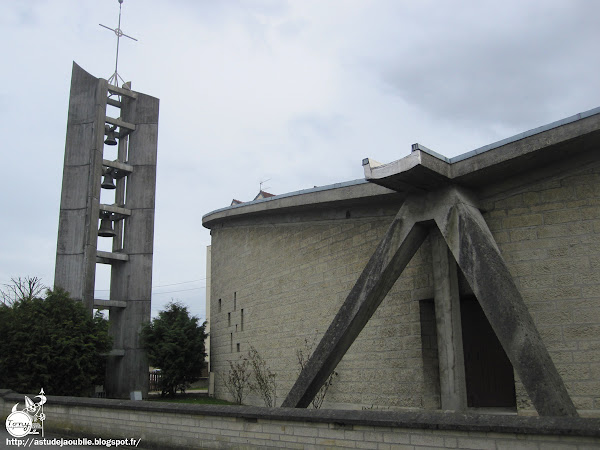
455 213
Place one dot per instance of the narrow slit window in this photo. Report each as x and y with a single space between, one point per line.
228 319
241 320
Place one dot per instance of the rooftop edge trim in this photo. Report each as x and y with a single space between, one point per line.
369 164
516 137
290 194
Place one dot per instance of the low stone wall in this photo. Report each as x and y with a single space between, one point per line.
171 425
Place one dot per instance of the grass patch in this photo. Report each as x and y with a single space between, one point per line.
202 383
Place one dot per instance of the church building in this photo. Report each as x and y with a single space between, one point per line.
434 283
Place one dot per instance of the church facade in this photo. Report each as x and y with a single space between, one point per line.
465 283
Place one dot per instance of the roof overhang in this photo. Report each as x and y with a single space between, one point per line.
425 170
356 192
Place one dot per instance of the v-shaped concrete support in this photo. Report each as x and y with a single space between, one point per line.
471 243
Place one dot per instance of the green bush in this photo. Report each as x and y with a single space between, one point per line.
52 343
175 344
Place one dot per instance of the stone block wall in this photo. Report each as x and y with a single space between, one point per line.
169 425
289 281
291 276
548 233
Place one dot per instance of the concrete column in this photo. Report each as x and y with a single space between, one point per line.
479 258
453 388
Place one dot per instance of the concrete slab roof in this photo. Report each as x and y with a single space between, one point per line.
350 192
426 170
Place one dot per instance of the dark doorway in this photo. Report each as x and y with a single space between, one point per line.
489 373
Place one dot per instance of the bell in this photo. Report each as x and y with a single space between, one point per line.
107 182
106 228
110 136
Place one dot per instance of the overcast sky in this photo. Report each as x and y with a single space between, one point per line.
295 92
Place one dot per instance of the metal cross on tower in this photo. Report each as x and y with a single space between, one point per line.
114 78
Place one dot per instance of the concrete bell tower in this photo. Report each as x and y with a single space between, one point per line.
102 115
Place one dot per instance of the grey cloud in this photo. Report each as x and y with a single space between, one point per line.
308 126
475 74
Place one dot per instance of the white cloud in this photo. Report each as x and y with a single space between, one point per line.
298 92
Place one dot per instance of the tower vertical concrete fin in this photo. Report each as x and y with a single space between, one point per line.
75 269
132 281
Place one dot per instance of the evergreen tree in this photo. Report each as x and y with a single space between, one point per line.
174 343
52 343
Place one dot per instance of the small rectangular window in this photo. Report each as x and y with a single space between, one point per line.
219 310
234 300
241 319
231 342
238 347
228 319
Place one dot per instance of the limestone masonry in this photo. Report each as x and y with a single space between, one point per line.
491 258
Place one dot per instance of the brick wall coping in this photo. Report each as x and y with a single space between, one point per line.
428 420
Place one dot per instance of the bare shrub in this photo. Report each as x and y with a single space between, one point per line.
237 379
19 288
303 355
264 380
